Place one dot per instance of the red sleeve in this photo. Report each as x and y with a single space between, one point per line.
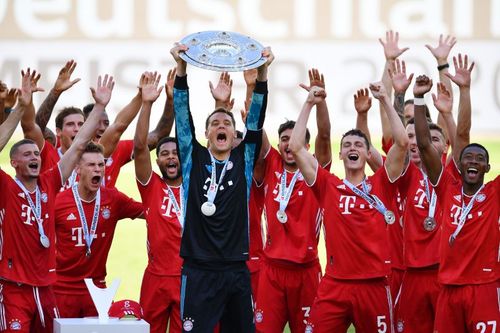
49 157
123 152
403 181
386 146
128 207
320 186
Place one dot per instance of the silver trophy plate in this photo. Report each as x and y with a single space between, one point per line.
222 51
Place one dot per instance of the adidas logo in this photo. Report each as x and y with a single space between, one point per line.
71 217
341 187
21 195
457 197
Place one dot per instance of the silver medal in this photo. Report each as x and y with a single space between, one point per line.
429 223
389 217
208 208
282 217
44 240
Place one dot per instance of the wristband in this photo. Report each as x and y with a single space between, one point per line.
418 101
443 66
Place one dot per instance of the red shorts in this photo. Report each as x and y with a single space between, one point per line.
468 308
25 308
160 301
395 281
365 303
415 307
285 294
74 305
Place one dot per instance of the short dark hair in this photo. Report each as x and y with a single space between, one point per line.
93 147
356 132
290 124
427 112
66 112
15 146
476 145
163 140
87 109
220 110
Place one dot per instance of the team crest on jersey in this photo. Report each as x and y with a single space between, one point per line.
400 326
109 161
481 197
368 187
44 197
106 213
259 316
187 324
309 328
15 324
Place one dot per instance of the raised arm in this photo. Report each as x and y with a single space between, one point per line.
142 159
462 79
429 155
322 144
400 83
31 130
391 52
306 162
443 102
63 83
441 53
101 95
363 103
222 92
8 127
396 156
113 133
3 95
166 122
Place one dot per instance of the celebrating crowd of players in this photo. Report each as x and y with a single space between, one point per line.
412 248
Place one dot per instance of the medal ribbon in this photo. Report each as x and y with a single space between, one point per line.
89 237
286 192
465 212
214 186
372 199
432 199
36 208
177 207
72 179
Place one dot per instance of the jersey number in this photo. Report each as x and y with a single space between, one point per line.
481 326
381 324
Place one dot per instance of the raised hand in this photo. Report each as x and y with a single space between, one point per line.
362 101
63 81
378 90
443 49
150 91
400 82
176 50
11 99
422 86
391 48
316 79
222 92
29 85
102 94
3 91
462 71
169 85
443 100
316 95
250 76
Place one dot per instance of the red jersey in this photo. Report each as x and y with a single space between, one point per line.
296 240
255 208
396 233
121 156
23 258
164 227
73 265
473 257
49 155
355 232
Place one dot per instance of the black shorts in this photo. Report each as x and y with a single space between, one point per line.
212 296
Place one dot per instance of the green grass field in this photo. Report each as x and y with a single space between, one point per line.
128 258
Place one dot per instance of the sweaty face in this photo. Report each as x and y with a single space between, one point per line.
26 161
354 152
90 169
283 147
102 126
473 165
220 133
168 161
71 126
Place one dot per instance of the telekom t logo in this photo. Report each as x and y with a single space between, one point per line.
455 213
346 202
419 198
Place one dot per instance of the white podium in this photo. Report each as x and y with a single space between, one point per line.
92 325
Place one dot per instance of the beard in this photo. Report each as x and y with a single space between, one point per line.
167 177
